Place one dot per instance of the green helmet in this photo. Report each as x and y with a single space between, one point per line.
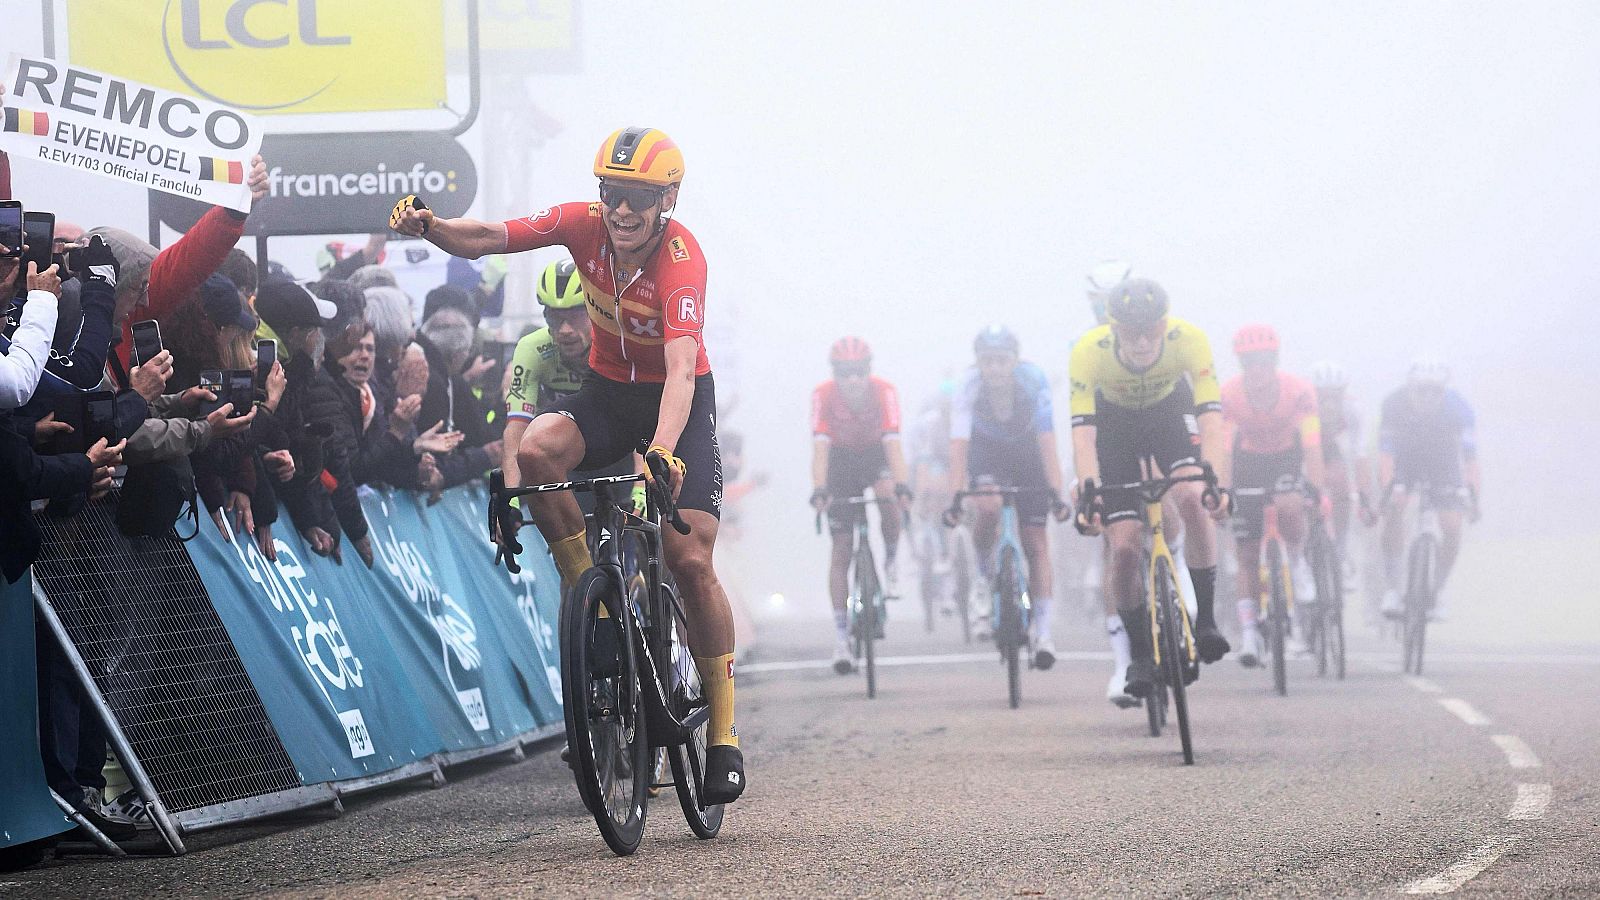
560 287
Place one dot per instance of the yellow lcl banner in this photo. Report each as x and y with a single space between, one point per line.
271 56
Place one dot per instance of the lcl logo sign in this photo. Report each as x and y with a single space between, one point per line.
260 33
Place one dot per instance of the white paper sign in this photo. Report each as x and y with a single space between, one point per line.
116 128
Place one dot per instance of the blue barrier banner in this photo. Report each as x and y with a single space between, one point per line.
27 813
365 670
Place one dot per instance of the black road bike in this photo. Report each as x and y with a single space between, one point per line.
628 680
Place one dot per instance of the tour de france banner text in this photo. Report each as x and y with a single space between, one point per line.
109 126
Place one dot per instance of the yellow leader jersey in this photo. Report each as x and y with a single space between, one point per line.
1098 376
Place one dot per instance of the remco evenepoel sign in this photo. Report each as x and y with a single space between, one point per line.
109 126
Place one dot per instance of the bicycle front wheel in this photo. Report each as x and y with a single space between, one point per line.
1009 632
1277 614
1175 642
1419 598
604 710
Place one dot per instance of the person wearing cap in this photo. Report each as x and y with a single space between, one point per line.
321 499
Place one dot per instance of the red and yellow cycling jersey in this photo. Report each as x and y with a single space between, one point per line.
664 301
1291 418
855 428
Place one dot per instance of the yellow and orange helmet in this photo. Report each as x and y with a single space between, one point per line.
640 154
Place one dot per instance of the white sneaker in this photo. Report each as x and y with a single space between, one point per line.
891 581
1440 611
1391 607
1251 653
1114 689
1044 652
1304 583
842 661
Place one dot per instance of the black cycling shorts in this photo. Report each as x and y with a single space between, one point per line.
850 473
1266 471
1167 431
1012 465
1439 473
614 417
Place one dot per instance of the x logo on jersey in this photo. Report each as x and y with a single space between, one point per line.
643 329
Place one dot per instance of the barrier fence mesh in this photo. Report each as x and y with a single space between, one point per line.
143 622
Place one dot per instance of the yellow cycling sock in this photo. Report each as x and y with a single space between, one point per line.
716 679
572 559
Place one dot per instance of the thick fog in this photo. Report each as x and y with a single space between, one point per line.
1376 180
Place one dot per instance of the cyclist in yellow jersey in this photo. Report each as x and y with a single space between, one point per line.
1142 386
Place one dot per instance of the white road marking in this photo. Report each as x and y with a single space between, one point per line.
1466 868
932 659
1390 658
1464 711
1423 684
1531 802
1518 754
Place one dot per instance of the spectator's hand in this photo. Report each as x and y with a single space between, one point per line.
223 426
265 544
47 428
480 366
259 184
411 375
190 400
150 379
375 244
428 475
437 440
103 454
363 547
277 381
97 263
411 217
321 542
48 280
280 463
10 266
100 482
238 507
405 411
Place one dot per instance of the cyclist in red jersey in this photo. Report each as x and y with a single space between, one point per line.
1272 426
855 424
644 278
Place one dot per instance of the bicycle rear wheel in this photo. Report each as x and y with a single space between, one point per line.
1009 630
1277 614
604 707
867 624
688 760
1174 644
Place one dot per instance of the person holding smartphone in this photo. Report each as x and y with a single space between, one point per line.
29 350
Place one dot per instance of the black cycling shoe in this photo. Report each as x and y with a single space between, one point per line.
1210 643
1143 676
724 774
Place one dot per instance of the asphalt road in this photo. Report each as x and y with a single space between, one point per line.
1481 778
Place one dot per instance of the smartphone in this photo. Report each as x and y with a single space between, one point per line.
241 391
39 233
99 417
146 341
211 380
69 408
10 228
266 355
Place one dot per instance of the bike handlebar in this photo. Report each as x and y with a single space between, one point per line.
1150 490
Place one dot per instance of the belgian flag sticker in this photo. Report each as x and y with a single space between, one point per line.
26 121
226 171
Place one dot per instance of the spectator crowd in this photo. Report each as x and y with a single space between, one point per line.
354 391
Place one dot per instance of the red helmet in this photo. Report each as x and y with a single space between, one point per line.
849 350
1254 339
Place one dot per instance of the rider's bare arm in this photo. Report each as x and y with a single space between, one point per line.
1084 461
678 392
819 462
1214 446
467 238
895 454
958 464
1051 458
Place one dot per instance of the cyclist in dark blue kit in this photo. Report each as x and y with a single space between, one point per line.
1002 432
1425 437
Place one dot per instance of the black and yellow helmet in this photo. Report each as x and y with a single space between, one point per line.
560 287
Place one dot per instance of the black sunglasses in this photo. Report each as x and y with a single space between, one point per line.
638 199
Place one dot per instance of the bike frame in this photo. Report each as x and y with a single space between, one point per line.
1159 550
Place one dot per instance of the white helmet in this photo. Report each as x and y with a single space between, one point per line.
1329 375
1428 370
1105 276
